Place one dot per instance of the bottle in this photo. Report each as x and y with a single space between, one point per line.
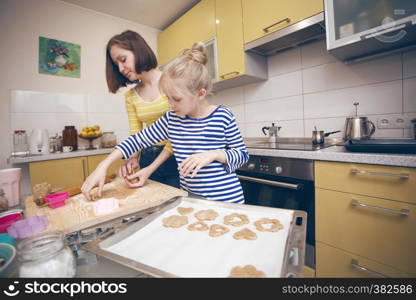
70 137
4 204
46 255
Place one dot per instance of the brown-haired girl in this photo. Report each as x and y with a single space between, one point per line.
129 59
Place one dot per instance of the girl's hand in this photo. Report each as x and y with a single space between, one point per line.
192 164
128 167
139 178
96 178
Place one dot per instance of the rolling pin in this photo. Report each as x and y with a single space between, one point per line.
75 190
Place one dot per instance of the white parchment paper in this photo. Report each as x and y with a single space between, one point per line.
187 253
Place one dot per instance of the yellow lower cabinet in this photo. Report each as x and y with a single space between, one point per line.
395 183
333 262
379 229
94 160
308 272
60 173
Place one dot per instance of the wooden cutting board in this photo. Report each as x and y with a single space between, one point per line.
78 213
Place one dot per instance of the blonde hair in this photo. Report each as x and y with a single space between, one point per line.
190 66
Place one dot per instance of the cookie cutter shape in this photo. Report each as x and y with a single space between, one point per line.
275 225
245 234
105 206
248 271
185 210
175 221
236 219
198 226
28 227
217 230
56 200
206 215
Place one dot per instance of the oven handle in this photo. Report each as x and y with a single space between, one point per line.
270 182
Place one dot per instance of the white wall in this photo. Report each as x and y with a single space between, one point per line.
21 24
307 86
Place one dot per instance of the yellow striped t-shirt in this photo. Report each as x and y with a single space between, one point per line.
142 113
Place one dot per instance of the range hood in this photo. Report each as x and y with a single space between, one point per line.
312 28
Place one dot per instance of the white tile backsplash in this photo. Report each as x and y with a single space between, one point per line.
54 111
409 94
409 64
307 86
339 75
279 86
285 62
373 99
315 54
274 110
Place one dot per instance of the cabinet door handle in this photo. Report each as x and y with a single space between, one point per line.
404 212
355 264
401 176
230 73
266 29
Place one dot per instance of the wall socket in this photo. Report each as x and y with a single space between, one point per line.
393 122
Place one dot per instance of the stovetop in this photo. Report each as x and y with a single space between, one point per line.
302 144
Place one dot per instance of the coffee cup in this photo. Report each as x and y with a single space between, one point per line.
67 148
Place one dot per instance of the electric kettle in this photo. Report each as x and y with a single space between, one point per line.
358 128
39 141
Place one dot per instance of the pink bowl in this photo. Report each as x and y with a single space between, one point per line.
56 200
8 220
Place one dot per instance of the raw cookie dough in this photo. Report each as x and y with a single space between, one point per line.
185 210
120 193
245 234
198 226
236 220
248 271
217 230
175 221
275 225
206 215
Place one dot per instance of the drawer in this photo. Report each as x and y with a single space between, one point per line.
333 262
381 235
395 183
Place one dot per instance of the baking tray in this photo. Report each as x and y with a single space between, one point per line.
281 253
382 146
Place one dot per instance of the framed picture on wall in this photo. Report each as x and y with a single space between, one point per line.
59 58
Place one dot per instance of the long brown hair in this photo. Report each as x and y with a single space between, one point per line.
145 59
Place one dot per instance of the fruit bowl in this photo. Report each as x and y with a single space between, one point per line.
90 139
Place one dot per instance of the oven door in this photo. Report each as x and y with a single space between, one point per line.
282 192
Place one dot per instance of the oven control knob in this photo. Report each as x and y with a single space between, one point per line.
278 170
251 166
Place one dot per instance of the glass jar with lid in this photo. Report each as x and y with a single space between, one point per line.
45 255
70 137
109 139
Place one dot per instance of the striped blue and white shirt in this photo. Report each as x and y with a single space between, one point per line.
218 131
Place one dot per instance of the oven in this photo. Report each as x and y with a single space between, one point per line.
283 183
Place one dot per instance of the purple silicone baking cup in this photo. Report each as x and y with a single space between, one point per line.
28 227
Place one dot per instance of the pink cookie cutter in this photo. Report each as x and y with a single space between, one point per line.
28 227
56 200
105 206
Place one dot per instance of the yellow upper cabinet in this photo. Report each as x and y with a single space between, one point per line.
197 24
230 42
262 17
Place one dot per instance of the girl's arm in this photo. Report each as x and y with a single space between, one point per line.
97 177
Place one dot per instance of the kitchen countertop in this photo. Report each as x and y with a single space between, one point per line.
339 154
52 156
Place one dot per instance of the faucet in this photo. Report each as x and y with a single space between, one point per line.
273 132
